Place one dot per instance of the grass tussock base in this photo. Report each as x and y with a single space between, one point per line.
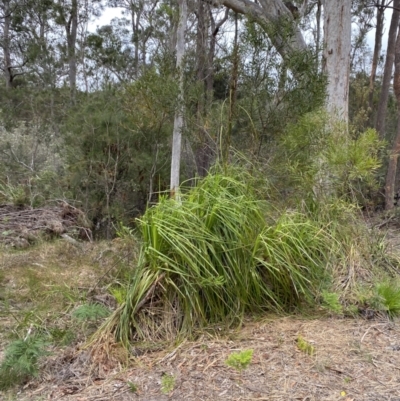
210 257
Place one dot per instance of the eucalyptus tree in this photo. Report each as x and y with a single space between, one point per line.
285 34
336 63
13 43
110 55
178 121
139 16
379 25
387 73
209 27
395 152
72 15
41 37
66 15
8 68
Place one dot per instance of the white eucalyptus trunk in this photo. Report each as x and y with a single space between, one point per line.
178 121
336 62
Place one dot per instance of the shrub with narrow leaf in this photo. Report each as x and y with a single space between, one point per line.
209 257
389 297
21 361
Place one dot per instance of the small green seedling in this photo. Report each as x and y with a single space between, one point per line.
119 293
132 386
331 302
21 361
305 346
389 297
167 383
90 312
240 360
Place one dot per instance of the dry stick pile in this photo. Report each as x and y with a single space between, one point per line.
20 227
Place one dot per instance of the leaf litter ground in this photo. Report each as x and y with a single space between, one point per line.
354 359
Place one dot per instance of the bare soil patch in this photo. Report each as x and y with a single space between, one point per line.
355 360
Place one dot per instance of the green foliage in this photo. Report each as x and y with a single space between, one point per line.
305 346
240 360
61 336
124 232
167 383
291 257
320 157
119 293
389 297
132 387
355 161
117 147
331 302
31 169
209 257
13 194
270 98
91 312
21 361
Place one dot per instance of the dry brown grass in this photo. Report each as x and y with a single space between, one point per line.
354 360
40 287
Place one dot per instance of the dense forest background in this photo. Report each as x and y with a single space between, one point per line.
87 116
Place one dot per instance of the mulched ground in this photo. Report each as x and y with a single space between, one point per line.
354 360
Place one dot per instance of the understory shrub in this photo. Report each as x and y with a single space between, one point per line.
210 256
21 361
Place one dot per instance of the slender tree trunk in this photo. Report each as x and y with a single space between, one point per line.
395 153
202 149
71 29
135 31
226 142
387 73
318 35
215 27
178 121
380 17
6 45
207 32
336 62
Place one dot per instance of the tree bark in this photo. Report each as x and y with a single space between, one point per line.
135 16
269 14
318 35
202 149
226 142
336 60
380 17
387 74
178 120
71 29
207 32
6 45
392 167
215 27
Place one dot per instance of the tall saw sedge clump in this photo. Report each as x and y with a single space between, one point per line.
210 257
292 258
196 264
